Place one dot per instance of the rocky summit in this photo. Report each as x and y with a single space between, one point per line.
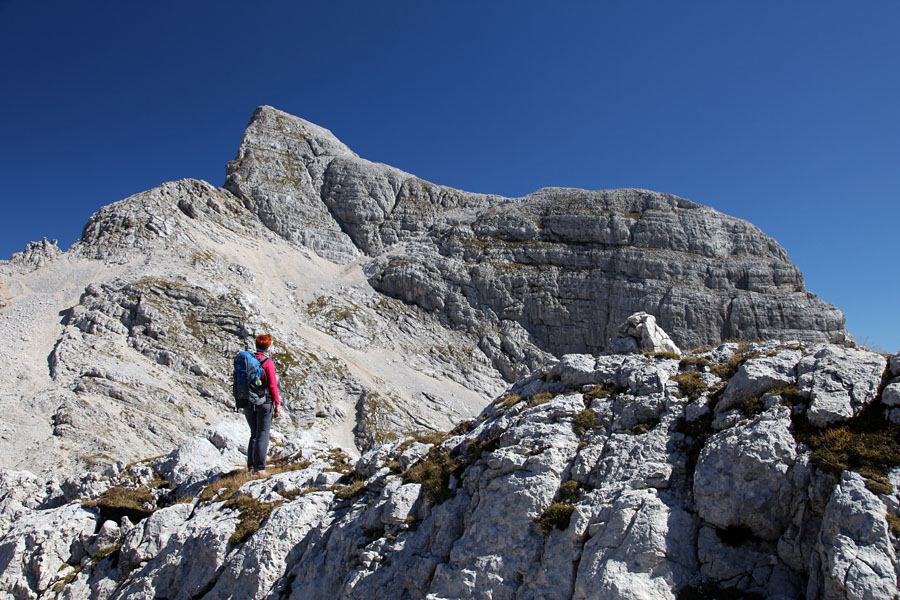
574 394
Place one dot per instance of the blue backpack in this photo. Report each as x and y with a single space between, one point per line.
250 385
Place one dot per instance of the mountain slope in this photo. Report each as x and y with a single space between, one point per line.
396 305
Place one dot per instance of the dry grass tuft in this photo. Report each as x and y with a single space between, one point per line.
668 355
121 501
693 362
691 384
583 421
558 515
252 513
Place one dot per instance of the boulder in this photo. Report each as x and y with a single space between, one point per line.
640 333
758 376
752 476
840 382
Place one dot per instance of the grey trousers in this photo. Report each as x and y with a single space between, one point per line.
260 420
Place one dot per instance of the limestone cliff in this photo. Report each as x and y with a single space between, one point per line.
561 267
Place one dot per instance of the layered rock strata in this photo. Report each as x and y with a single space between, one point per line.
566 266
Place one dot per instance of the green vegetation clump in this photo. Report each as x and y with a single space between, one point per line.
790 395
251 515
558 515
691 384
76 569
642 428
225 487
345 492
434 471
568 492
583 421
122 501
753 407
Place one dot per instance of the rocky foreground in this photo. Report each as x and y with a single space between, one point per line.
767 470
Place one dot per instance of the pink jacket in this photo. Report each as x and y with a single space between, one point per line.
269 368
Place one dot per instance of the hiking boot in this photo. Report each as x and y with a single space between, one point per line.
262 472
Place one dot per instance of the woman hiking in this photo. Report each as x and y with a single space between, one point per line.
259 417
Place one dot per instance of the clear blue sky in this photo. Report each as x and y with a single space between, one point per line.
786 114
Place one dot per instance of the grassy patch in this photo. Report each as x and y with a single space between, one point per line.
790 395
598 391
642 428
558 515
726 371
695 362
691 384
433 473
753 407
538 399
108 551
122 501
670 355
868 445
894 522
568 492
346 492
251 515
59 585
583 421
507 401
224 487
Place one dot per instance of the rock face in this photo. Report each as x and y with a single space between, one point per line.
566 265
595 478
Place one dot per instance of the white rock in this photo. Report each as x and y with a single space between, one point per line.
855 557
647 335
751 476
39 544
840 382
759 375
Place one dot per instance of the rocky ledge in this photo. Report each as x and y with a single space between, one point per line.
766 470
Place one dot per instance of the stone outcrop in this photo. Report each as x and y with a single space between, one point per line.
596 478
640 333
36 255
840 382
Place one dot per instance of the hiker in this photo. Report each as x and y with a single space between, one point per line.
259 416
